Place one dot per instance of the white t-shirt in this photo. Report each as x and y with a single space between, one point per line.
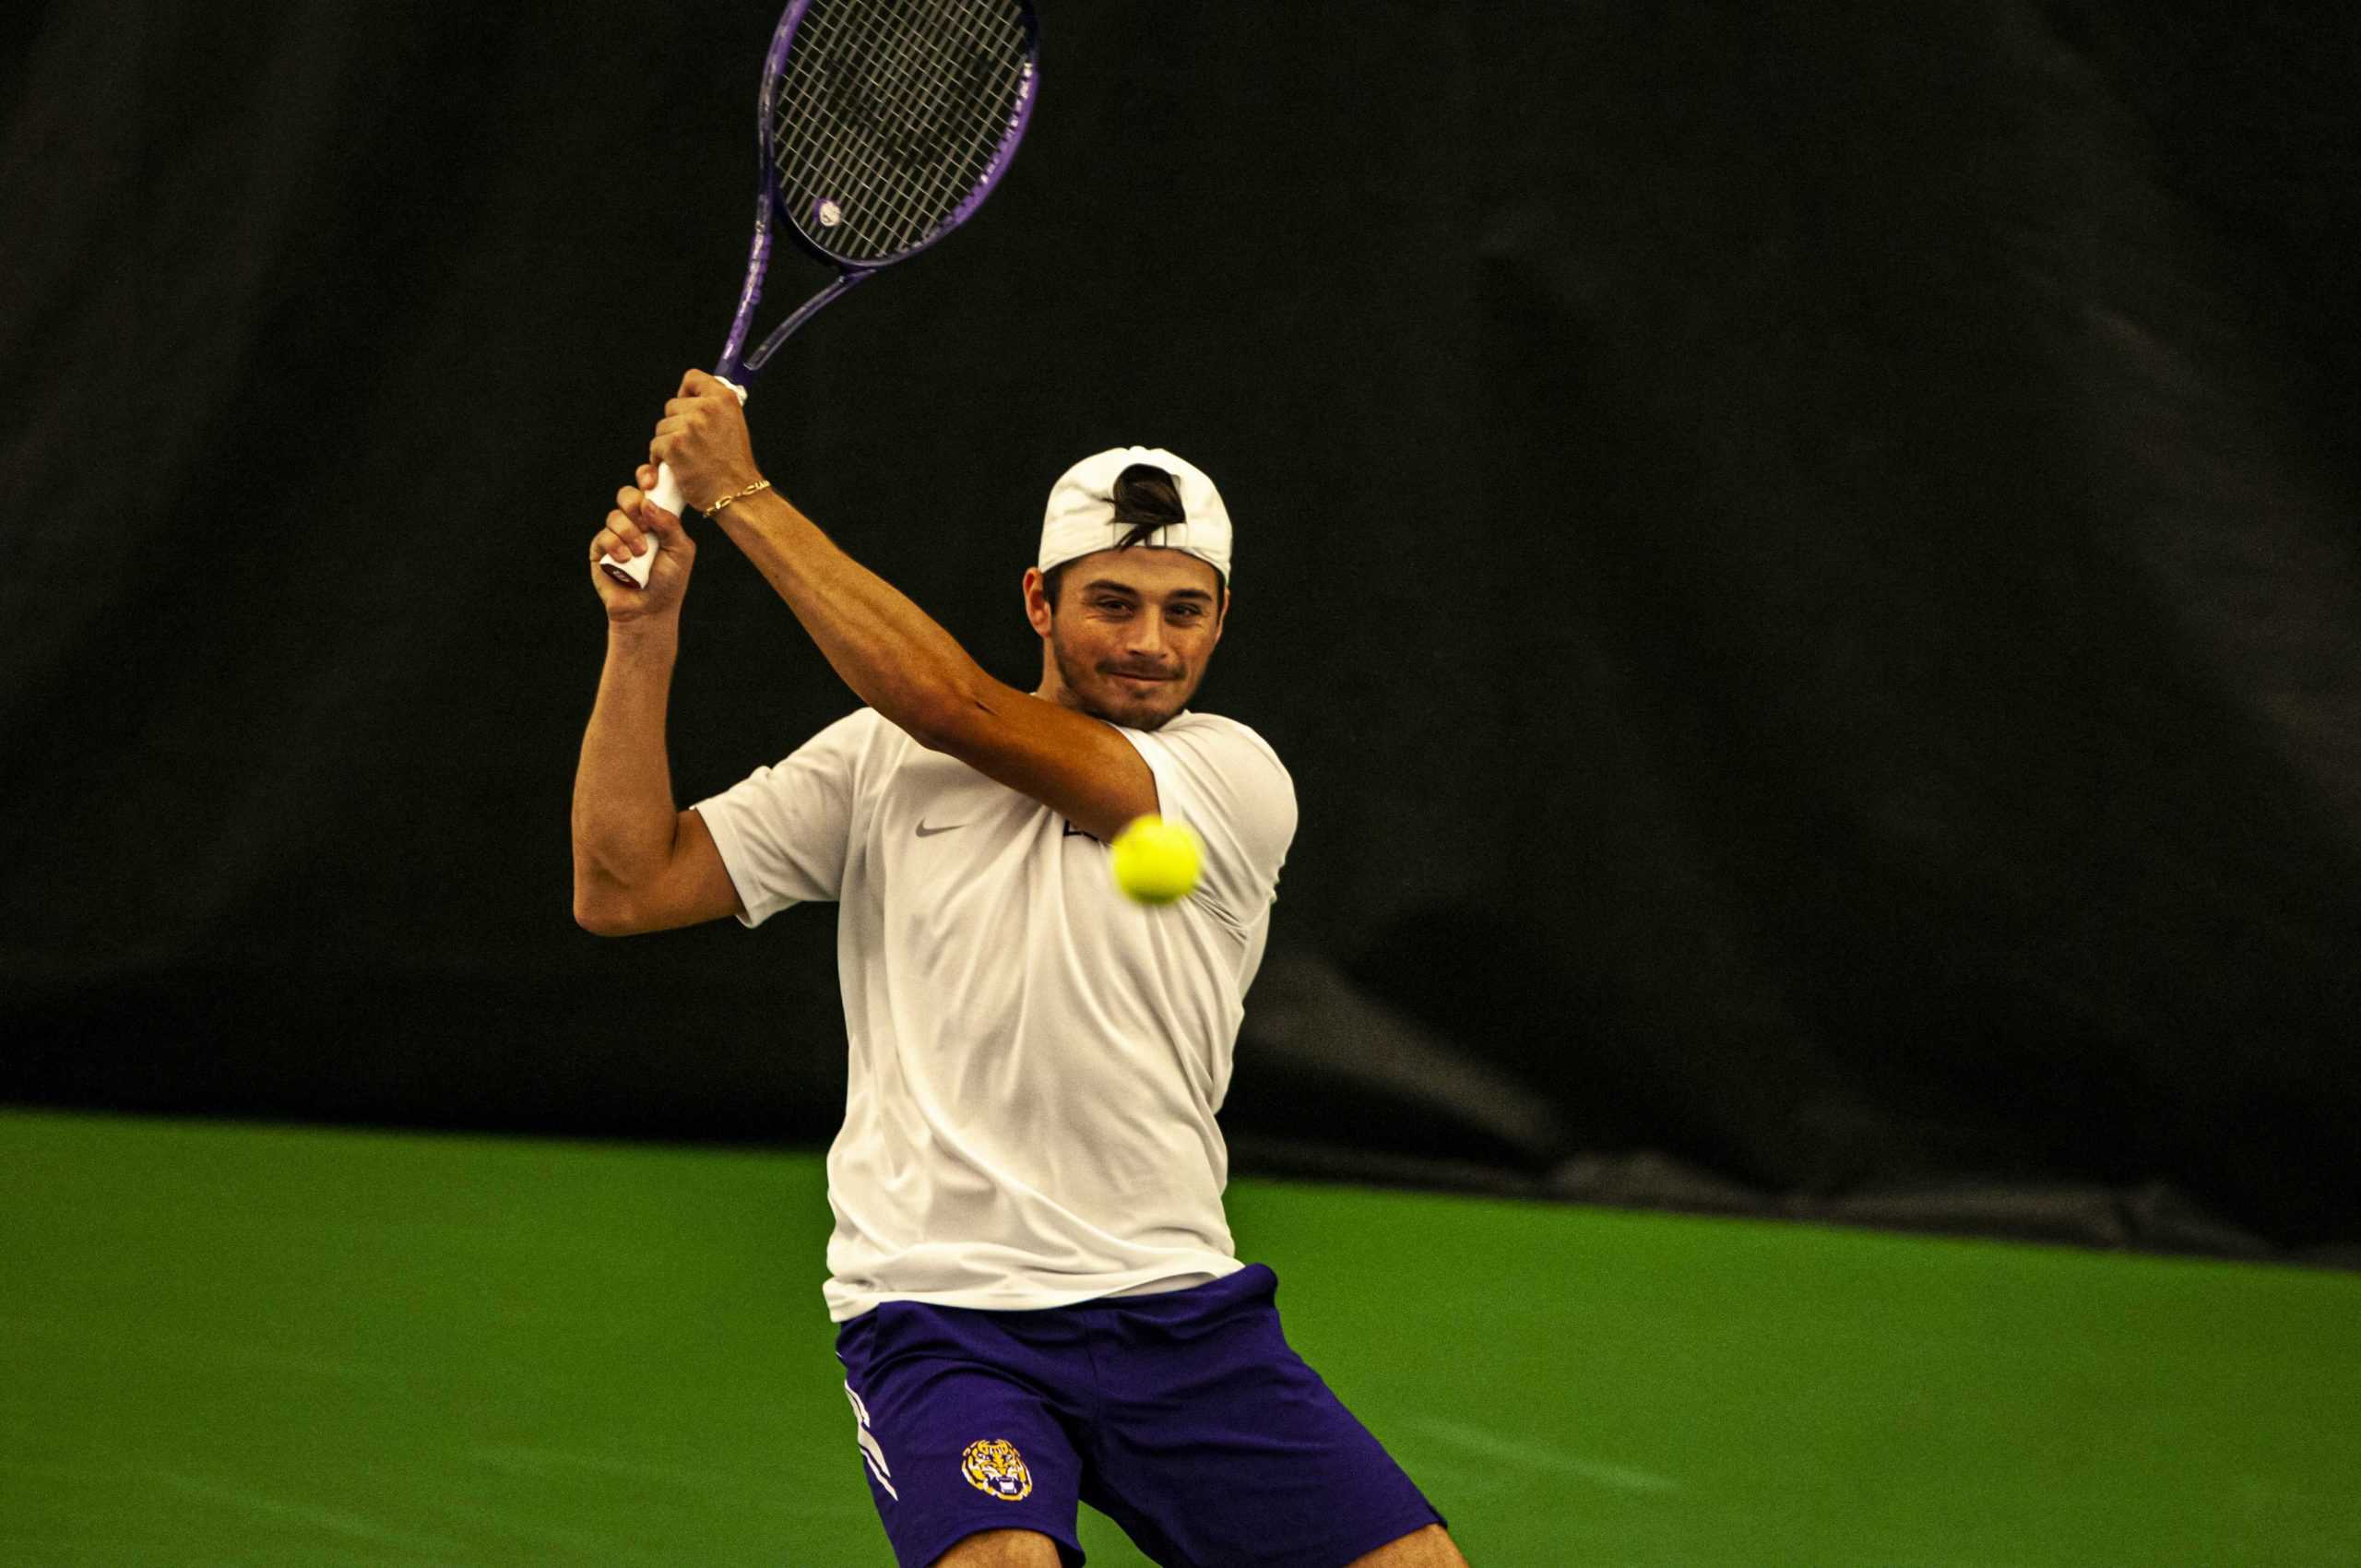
1036 1059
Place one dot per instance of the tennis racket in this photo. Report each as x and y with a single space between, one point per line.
884 125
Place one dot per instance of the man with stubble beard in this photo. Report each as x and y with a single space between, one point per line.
1038 1299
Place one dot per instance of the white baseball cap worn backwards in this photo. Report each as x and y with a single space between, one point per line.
1081 515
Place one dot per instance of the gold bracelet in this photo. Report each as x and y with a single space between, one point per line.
714 510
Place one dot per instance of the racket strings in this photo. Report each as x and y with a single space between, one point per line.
895 111
907 63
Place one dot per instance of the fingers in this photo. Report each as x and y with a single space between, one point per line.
659 522
671 446
642 508
702 434
646 476
669 431
621 538
636 524
698 384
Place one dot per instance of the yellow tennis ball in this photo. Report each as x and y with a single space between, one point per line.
1158 861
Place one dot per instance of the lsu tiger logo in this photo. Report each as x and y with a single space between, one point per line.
994 1466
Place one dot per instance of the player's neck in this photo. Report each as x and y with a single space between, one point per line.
1054 687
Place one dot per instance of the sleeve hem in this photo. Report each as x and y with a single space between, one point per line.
721 823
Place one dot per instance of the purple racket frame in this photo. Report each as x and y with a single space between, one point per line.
738 367
736 364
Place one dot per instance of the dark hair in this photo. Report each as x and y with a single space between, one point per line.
1146 499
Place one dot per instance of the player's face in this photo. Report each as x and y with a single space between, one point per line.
1131 633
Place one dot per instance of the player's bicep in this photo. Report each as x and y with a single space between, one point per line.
692 887
1074 765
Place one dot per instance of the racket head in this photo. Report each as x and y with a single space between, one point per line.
885 124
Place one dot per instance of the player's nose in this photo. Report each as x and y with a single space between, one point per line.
1147 634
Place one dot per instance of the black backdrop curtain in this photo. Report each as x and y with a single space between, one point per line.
1803 560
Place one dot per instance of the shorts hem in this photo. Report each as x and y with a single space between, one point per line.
1402 1525
1068 1545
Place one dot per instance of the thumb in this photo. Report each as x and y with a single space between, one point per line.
651 513
656 520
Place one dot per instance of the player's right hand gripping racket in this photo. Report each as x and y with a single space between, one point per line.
884 125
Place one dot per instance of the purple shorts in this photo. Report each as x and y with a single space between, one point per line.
1184 1417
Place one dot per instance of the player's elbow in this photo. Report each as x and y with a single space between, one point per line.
599 915
944 720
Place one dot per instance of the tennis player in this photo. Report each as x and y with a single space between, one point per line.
1038 1297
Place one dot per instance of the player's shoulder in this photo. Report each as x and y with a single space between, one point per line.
857 730
852 743
1220 733
1230 775
861 720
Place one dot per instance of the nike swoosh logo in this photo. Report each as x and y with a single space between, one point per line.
926 832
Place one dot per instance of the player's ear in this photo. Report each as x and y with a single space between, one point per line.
1038 608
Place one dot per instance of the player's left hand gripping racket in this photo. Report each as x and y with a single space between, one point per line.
884 125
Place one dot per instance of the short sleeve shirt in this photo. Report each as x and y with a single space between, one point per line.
1036 1061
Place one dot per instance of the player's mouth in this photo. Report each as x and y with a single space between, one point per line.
1139 682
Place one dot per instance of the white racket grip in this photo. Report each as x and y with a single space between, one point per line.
633 572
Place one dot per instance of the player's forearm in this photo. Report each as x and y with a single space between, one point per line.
623 814
889 651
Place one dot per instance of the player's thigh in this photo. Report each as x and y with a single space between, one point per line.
1429 1547
956 1436
1226 1450
1002 1549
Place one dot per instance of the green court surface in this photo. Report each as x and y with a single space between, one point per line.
231 1345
